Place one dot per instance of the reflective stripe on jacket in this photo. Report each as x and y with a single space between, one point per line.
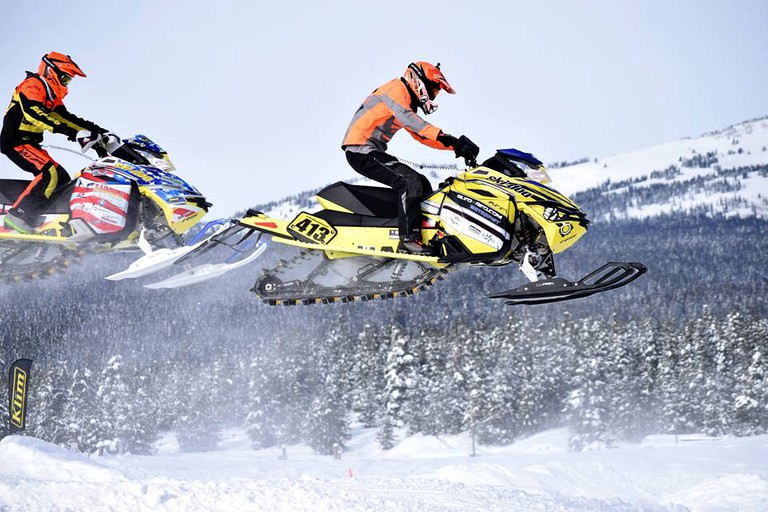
383 113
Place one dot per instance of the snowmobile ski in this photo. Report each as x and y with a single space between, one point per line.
152 261
207 271
218 233
155 260
608 277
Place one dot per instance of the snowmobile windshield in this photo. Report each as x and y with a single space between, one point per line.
516 163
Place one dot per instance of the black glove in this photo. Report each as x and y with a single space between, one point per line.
465 148
446 140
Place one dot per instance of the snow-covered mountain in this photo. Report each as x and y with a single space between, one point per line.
722 172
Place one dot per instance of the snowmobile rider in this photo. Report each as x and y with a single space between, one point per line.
37 106
388 109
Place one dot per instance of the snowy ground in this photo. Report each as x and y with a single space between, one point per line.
421 474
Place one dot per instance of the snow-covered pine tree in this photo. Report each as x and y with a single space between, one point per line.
425 401
367 387
750 388
261 421
327 423
587 405
82 410
127 412
398 378
198 412
672 389
632 360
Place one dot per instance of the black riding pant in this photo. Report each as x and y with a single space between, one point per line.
411 187
49 176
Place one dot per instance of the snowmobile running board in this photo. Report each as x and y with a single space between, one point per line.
609 276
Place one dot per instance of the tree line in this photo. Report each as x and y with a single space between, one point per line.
606 379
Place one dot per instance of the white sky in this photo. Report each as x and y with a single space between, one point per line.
251 99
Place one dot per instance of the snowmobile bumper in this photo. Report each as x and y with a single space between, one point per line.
608 277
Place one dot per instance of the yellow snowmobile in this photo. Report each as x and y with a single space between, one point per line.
490 214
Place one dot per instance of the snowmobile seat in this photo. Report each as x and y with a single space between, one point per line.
362 199
355 219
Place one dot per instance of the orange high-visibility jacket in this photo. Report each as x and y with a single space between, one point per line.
383 113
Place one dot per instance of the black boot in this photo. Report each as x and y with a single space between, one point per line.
414 247
21 221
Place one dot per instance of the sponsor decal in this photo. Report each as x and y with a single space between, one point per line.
496 205
100 193
550 213
19 390
18 381
180 214
102 172
465 227
488 238
109 218
480 208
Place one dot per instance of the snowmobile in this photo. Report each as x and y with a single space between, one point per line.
127 199
491 214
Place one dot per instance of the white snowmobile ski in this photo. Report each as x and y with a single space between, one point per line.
154 260
206 271
227 233
158 259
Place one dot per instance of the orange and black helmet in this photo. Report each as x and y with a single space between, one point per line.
55 64
426 81
431 76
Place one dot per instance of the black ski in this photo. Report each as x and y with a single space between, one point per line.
608 277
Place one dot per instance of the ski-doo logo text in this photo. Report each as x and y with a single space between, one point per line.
19 390
515 187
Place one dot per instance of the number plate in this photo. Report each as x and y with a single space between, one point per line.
310 229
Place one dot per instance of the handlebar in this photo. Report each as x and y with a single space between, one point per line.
111 144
